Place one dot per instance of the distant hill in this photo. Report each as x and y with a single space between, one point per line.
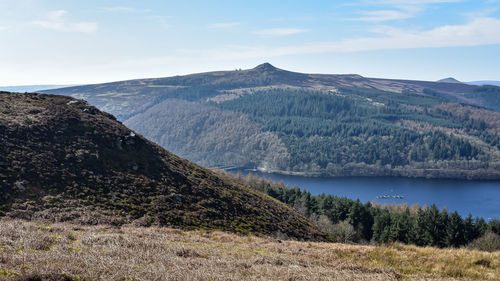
30 88
313 124
482 83
449 80
64 160
126 98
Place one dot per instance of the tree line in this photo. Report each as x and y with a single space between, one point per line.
369 222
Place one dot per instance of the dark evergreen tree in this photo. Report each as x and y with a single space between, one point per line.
455 236
382 227
422 235
494 226
401 227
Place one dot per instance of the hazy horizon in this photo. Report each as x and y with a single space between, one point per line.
54 86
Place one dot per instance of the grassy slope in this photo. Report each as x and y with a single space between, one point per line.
131 253
64 160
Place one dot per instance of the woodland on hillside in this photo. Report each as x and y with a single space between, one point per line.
348 132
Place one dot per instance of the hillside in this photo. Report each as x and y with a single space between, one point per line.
31 88
74 252
64 160
313 124
125 98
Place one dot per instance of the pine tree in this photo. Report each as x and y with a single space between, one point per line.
440 228
360 217
422 235
455 236
494 226
469 229
401 227
480 227
382 227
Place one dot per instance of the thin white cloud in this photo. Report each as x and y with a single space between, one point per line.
481 13
384 15
480 31
3 28
305 19
162 21
279 31
56 21
224 25
125 9
413 2
396 3
395 9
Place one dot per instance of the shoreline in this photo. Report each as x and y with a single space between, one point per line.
437 174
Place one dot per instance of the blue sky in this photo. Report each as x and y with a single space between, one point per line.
76 42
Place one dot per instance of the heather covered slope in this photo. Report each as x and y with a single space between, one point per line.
64 160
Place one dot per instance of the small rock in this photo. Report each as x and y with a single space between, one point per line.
177 197
483 262
19 185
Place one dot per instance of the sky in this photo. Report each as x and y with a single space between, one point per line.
94 41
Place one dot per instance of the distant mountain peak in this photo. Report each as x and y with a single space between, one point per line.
265 67
449 80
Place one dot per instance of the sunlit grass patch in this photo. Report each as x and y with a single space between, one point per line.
416 261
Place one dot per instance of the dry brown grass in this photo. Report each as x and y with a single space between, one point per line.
29 250
413 261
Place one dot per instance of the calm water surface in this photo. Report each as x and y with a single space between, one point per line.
480 198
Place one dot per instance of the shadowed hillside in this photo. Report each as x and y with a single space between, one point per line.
64 160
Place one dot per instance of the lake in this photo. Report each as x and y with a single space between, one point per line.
480 198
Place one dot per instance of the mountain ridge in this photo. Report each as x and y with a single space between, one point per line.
313 124
266 75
